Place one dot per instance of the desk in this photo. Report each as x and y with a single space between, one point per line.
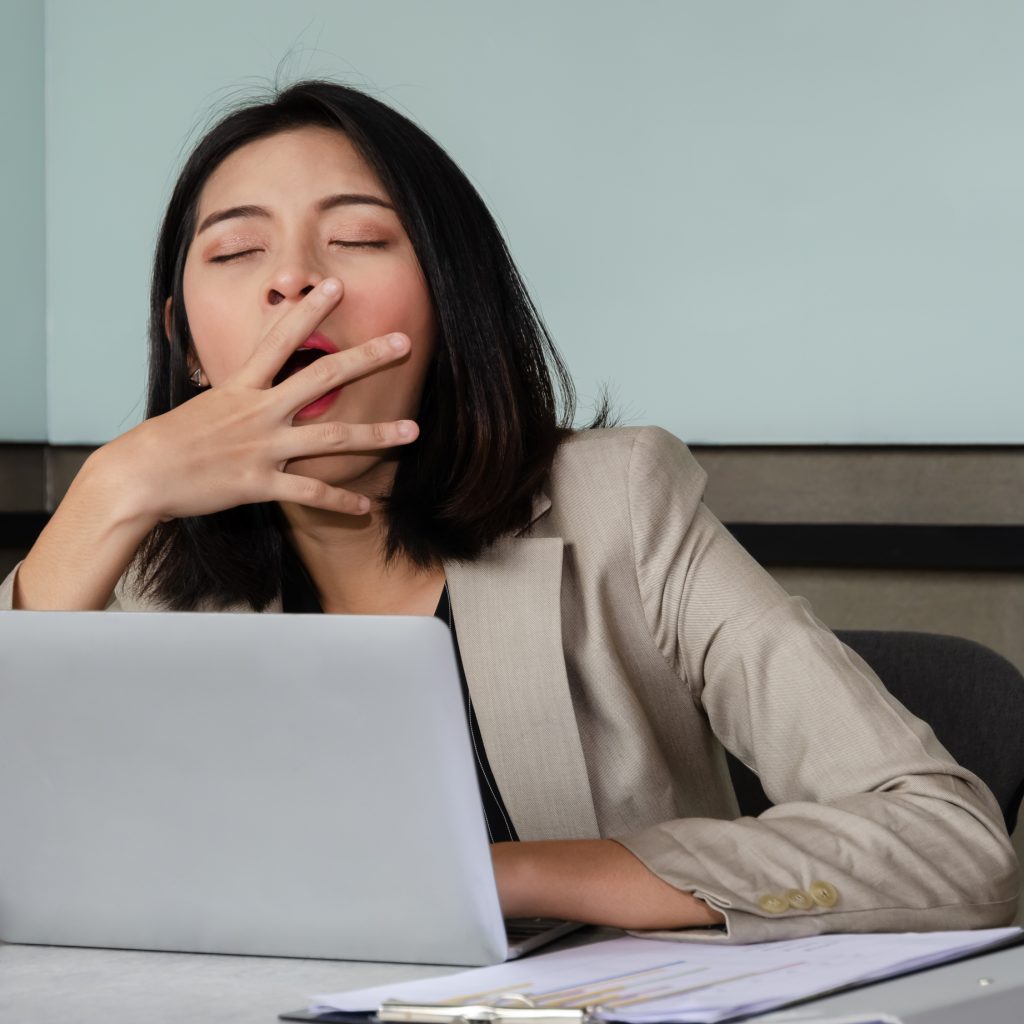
54 985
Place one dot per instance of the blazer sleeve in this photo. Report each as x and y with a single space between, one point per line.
7 594
875 827
7 590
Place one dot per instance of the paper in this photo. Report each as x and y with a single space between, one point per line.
642 981
807 1017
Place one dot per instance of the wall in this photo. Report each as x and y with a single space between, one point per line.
791 222
22 225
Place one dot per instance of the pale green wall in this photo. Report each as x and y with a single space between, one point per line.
762 222
22 224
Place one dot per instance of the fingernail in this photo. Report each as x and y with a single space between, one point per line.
404 428
331 287
364 505
398 342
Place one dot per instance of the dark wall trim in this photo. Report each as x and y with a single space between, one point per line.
882 546
825 485
831 545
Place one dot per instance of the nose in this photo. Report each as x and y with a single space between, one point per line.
291 282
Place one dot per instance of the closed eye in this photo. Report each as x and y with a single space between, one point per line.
231 256
377 244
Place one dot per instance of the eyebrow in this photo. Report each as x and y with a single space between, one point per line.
329 203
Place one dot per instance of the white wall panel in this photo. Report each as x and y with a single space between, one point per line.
22 224
786 222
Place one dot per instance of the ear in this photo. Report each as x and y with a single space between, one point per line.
190 360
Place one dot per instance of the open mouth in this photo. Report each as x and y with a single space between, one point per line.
298 360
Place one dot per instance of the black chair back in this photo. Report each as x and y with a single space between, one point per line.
972 698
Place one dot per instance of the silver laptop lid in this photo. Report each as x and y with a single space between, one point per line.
280 785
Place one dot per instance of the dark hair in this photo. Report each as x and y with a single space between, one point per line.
489 417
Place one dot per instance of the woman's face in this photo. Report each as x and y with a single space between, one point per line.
244 272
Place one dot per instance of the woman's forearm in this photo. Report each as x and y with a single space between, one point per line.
596 881
87 544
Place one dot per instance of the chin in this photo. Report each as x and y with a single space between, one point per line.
348 470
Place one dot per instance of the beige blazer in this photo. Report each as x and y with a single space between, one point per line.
614 649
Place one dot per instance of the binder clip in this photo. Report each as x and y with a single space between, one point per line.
510 1009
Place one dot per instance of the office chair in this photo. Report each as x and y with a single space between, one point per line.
972 698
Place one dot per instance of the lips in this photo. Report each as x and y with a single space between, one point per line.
319 342
319 406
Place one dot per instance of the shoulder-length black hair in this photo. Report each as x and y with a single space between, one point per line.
489 417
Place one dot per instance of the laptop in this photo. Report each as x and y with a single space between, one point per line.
272 785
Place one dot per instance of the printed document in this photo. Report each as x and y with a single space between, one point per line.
642 981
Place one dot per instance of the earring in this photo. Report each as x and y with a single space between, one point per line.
196 378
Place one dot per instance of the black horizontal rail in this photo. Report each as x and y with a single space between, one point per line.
822 545
884 546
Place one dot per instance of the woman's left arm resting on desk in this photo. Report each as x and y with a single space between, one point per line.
875 827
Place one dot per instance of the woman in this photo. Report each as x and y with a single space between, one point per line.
351 410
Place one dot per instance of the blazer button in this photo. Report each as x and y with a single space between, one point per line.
799 899
824 894
772 904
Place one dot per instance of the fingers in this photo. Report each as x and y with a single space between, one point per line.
329 372
288 333
334 436
304 490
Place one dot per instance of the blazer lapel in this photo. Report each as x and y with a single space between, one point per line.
507 610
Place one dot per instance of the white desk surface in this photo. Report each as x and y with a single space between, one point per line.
51 984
